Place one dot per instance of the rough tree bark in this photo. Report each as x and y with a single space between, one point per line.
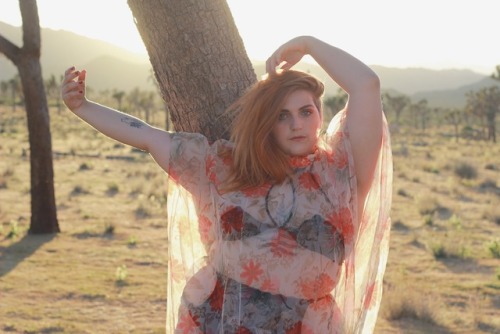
198 58
27 61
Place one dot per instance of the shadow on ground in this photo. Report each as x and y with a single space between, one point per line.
14 254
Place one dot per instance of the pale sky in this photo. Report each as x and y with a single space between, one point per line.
396 33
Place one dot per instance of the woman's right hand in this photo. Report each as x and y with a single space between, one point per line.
73 88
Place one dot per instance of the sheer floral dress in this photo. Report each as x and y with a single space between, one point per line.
294 257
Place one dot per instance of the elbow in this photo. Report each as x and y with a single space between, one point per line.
371 82
367 83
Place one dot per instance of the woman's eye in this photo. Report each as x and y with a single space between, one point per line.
283 116
306 112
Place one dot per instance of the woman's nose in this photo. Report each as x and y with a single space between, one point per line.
296 123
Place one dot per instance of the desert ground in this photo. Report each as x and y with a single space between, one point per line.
105 272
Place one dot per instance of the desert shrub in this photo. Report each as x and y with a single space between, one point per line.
3 183
492 213
121 274
84 166
490 167
428 220
439 251
404 302
431 169
450 250
132 241
78 190
494 248
455 221
402 192
489 185
113 189
427 205
14 230
399 225
109 229
142 212
9 171
465 170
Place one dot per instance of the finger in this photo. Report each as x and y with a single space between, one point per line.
70 75
273 62
69 70
286 66
82 75
70 86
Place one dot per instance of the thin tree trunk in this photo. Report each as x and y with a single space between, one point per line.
27 61
43 205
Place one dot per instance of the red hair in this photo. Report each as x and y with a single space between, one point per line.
256 158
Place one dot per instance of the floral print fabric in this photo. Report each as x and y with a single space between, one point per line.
294 257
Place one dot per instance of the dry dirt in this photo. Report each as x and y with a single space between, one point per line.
106 271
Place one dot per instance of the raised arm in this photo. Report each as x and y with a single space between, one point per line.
113 123
364 107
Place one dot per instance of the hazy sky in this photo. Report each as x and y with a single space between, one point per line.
399 33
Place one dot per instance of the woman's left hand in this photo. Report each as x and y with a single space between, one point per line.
288 54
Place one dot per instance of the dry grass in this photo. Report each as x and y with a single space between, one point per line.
105 272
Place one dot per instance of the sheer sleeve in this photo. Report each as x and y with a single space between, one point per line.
359 291
190 224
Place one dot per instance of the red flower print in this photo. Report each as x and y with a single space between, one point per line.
324 303
300 161
205 225
369 295
251 272
268 285
342 221
227 159
317 288
232 220
210 169
243 330
283 244
295 329
172 173
258 191
309 181
329 157
176 270
187 323
299 328
217 297
340 159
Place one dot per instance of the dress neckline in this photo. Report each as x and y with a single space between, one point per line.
302 161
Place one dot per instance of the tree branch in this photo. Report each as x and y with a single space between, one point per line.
9 49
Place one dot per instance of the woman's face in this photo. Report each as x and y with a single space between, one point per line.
297 128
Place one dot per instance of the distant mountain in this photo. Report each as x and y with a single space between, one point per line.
413 80
453 98
111 67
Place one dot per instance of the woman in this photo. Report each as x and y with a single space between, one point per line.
280 229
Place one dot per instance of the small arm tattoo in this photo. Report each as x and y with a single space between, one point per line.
132 122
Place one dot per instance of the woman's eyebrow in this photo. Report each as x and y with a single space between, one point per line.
300 108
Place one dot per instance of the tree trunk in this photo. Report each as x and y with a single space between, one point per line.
27 61
198 59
